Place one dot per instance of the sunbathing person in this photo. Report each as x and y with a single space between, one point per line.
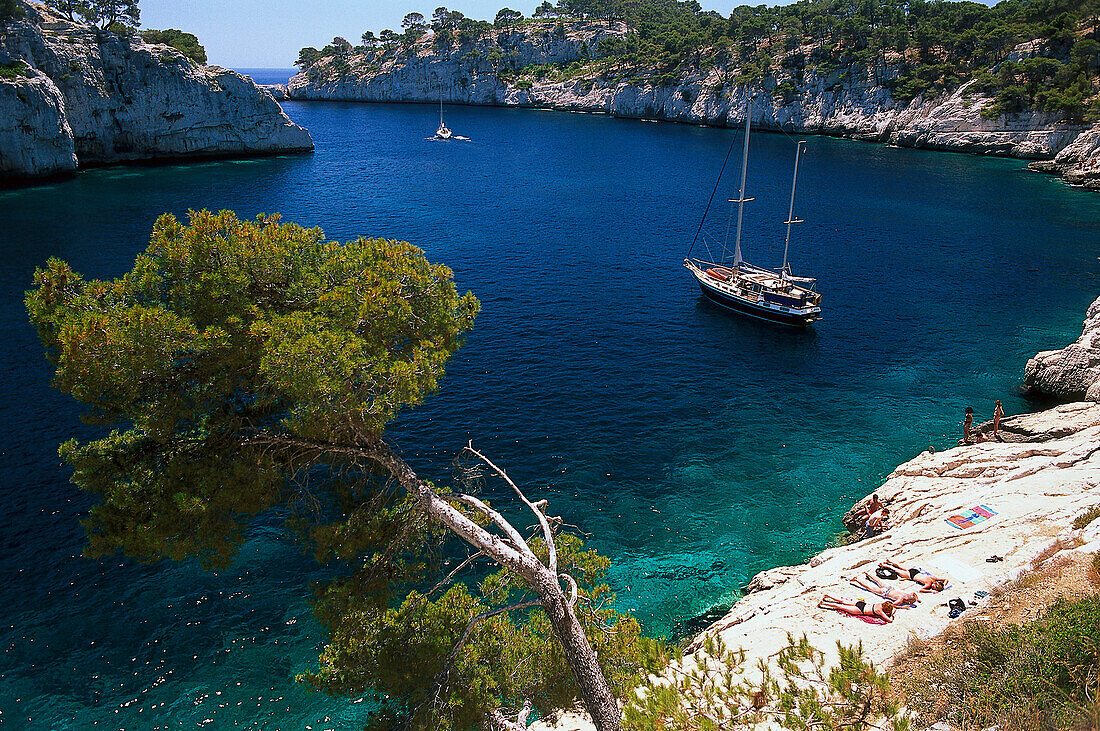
897 596
882 610
929 584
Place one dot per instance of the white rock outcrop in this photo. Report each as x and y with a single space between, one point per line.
36 138
81 97
1078 162
1072 373
843 102
1035 490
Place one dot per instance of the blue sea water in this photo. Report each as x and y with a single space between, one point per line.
694 448
269 76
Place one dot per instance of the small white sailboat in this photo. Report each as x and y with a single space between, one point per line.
443 132
777 296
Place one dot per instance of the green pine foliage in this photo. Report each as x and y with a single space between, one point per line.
242 369
225 330
714 690
444 683
186 43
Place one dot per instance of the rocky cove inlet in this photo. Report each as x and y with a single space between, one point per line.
695 449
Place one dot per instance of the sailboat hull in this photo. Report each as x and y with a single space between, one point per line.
762 310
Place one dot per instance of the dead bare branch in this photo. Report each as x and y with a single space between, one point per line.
536 508
509 530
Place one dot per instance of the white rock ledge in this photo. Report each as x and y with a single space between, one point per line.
1036 488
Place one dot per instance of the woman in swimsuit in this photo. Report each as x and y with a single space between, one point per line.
929 584
998 412
882 610
897 596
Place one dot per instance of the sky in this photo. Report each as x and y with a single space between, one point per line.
269 33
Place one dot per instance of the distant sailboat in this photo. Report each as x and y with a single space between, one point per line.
751 290
443 132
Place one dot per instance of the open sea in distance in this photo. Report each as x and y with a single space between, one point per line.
694 448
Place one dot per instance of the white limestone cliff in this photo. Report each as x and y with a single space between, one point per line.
86 97
1078 162
36 138
842 102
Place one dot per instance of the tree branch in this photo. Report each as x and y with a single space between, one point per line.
449 577
378 451
572 589
536 508
504 525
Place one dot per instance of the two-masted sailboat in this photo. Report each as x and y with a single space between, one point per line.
777 296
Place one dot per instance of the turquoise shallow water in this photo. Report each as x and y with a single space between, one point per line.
694 448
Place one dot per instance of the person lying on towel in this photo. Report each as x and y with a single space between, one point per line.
929 584
897 596
860 608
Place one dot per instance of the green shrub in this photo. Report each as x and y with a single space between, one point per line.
1043 674
14 70
186 43
1086 517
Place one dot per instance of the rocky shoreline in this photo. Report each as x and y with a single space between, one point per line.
1043 475
76 97
838 103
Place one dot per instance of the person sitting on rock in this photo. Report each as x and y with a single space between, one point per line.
929 584
874 506
882 610
863 513
878 522
897 596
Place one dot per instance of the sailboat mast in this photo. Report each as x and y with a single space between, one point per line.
790 212
741 196
440 105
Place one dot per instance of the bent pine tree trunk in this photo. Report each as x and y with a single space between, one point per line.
595 691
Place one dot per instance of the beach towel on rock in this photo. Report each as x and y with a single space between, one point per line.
970 518
868 620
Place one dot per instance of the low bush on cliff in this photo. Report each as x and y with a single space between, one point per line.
1044 674
186 43
14 70
1083 520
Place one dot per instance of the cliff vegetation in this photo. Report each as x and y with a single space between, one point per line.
1023 55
